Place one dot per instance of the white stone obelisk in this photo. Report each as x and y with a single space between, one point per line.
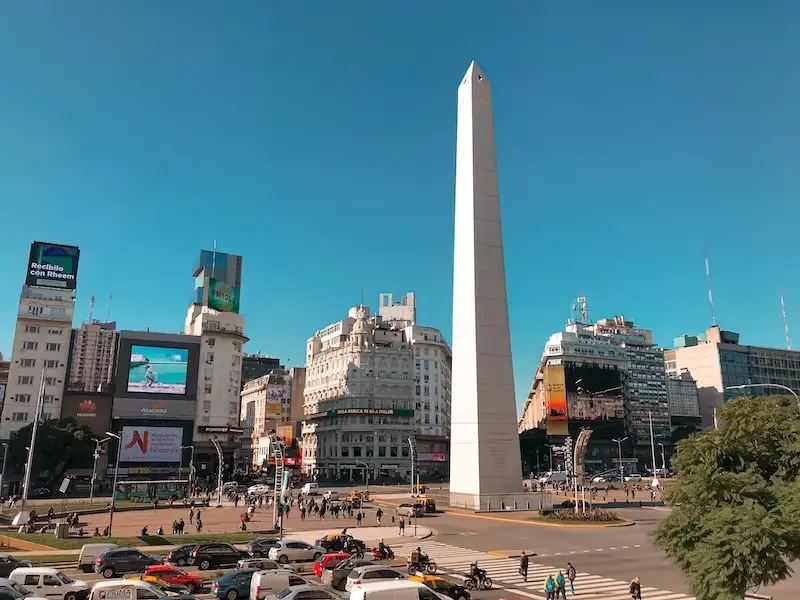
484 443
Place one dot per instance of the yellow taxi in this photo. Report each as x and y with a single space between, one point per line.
428 503
443 586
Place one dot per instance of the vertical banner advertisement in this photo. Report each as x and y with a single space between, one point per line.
555 391
274 400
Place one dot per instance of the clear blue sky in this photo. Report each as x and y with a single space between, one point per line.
317 139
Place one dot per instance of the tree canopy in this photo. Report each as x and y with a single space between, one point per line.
736 519
60 445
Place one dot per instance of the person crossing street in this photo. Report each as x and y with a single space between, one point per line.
523 566
562 587
550 587
571 573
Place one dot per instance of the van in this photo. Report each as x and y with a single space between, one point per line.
401 589
310 489
49 582
90 553
267 583
125 589
330 495
553 476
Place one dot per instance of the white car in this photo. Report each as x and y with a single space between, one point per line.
295 551
599 479
633 477
258 489
305 591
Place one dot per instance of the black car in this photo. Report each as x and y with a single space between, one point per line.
337 577
215 554
8 563
123 560
260 546
340 543
180 556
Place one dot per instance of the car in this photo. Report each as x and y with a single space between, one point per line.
301 592
310 489
336 577
330 495
235 584
338 542
371 574
123 560
633 477
262 564
51 583
258 489
409 510
443 586
175 576
329 560
8 563
261 545
212 555
11 590
180 556
295 550
167 589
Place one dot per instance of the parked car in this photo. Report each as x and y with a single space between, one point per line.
175 576
295 550
235 584
262 564
408 510
371 574
11 590
269 583
8 563
336 577
215 554
123 560
299 592
51 583
260 546
443 586
180 556
331 559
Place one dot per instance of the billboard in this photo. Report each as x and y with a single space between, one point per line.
274 400
221 296
594 393
140 408
91 410
53 265
158 370
556 401
151 444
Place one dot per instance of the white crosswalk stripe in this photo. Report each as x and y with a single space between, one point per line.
504 572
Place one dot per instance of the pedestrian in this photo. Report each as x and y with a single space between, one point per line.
191 515
358 519
636 589
523 566
378 516
562 585
198 513
199 525
571 576
550 587
402 525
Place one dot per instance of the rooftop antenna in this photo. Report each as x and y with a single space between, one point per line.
110 298
214 259
91 306
584 309
786 324
710 296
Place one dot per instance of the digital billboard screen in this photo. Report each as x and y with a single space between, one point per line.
53 265
151 444
158 370
594 393
222 297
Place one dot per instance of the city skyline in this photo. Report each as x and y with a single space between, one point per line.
627 150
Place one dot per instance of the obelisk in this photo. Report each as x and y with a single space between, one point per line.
484 444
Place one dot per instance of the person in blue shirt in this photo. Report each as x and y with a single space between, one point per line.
550 587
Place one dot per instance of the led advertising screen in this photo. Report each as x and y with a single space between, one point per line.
53 265
151 444
158 370
556 400
274 400
594 393
222 297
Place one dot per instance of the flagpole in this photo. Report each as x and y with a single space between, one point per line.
29 464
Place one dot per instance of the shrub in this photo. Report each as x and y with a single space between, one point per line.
590 516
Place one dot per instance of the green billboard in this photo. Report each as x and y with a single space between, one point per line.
222 297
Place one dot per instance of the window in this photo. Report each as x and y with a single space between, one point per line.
393 451
236 360
35 310
207 388
27 362
357 451
405 452
381 450
55 331
50 398
209 358
23 397
19 416
237 346
25 380
30 345
31 580
51 364
31 329
51 580
211 341
345 452
51 347
49 380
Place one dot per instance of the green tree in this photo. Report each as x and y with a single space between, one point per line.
735 525
60 445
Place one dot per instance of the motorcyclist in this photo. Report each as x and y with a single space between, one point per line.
382 547
477 573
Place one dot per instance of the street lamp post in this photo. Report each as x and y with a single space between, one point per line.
772 385
621 464
663 460
191 467
3 474
94 467
116 474
653 450
551 455
366 471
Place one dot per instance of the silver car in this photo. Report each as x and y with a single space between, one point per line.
286 551
305 591
262 564
371 574
410 510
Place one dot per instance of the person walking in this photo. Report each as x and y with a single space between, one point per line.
636 589
562 586
402 526
550 587
571 576
378 516
523 566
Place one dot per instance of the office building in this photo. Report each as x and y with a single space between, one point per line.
223 267
5 365
716 360
91 360
258 365
684 409
41 336
365 377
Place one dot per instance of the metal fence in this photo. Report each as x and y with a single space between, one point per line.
495 502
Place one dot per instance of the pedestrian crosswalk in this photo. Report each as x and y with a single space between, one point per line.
504 572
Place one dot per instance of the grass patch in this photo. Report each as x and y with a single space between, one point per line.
48 539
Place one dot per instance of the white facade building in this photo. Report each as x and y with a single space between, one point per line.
266 405
41 341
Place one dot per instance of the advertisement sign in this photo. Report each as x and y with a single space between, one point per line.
151 444
594 393
274 400
432 457
157 370
213 429
555 400
53 265
386 412
222 297
91 410
136 408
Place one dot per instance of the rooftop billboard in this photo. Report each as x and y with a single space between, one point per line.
53 265
221 296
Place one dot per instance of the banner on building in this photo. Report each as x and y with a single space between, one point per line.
151 444
555 392
53 265
274 404
221 296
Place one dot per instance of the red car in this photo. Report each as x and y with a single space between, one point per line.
176 576
328 561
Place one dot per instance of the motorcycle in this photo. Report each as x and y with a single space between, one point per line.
423 565
355 551
483 583
378 555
